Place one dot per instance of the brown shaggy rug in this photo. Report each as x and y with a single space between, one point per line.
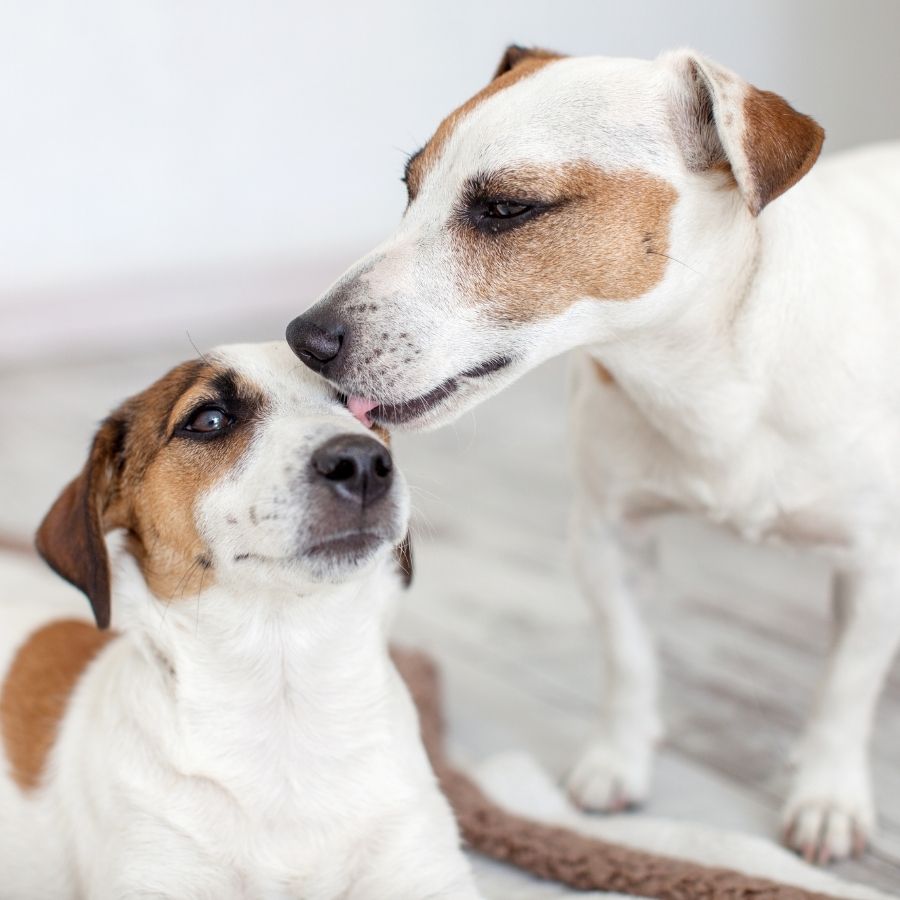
558 854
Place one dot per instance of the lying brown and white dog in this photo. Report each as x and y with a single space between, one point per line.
242 733
740 360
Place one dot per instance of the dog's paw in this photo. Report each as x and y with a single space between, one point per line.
610 778
829 815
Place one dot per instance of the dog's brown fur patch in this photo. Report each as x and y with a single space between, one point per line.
515 55
143 478
160 489
781 145
605 235
511 71
36 692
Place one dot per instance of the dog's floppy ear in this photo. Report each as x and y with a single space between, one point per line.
70 539
721 121
514 54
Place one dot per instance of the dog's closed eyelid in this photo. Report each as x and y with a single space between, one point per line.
494 204
481 218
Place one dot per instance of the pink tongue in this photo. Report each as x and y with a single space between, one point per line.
360 407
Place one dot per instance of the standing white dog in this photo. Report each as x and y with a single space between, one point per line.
740 360
244 734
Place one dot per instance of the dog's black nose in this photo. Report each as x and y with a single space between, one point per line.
316 343
357 467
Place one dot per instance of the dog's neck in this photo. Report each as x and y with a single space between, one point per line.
698 375
272 690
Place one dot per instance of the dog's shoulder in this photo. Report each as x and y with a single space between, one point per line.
37 688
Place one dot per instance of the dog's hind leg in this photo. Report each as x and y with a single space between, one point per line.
613 772
829 813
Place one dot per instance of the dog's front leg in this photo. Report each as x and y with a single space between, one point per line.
829 813
613 772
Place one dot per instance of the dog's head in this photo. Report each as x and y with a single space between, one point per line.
234 469
568 202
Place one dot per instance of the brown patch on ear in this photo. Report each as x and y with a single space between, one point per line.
752 139
780 143
514 54
422 162
36 692
403 556
70 538
604 235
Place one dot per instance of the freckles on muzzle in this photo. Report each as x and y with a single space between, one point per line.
338 500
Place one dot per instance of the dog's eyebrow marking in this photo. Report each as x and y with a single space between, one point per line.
421 163
177 384
213 384
225 386
603 235
36 692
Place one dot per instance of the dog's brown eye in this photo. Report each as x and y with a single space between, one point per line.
505 210
208 420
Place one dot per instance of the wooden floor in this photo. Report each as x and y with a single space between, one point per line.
742 635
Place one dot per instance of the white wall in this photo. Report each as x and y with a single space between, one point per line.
160 136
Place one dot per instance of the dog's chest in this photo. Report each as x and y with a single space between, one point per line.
759 518
313 845
301 862
767 490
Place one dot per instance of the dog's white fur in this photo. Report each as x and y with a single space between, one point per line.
755 384
252 741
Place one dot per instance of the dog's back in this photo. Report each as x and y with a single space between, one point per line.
845 218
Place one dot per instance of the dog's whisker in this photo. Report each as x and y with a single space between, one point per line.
674 259
199 352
